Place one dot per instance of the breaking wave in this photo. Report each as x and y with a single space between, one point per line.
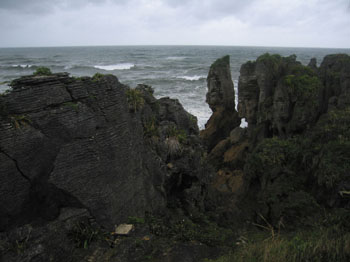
192 78
123 66
22 66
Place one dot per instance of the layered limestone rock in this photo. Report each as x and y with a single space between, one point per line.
73 143
220 97
94 147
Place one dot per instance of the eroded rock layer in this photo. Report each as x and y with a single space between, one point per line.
91 148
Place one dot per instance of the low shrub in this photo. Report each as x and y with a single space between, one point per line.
184 229
97 77
42 71
135 99
179 134
83 233
136 220
151 128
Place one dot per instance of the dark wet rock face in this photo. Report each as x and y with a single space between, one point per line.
220 86
68 142
73 143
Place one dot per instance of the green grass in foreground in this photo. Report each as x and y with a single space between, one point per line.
323 245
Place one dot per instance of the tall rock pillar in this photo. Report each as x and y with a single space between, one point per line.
221 100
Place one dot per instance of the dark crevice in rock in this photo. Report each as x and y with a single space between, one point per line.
46 200
16 164
70 94
43 204
176 187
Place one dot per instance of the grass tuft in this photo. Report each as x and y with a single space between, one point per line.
135 99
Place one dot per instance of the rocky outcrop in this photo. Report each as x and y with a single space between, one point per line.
220 98
73 143
286 165
96 145
224 139
334 73
278 95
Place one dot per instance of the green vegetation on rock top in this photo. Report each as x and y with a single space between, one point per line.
42 71
303 82
221 62
267 57
97 77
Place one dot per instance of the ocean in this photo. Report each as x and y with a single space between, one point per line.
174 71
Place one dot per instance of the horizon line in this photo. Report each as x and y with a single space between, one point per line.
179 45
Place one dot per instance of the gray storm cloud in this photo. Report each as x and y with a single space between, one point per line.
319 23
42 6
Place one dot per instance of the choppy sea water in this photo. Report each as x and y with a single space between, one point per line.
175 71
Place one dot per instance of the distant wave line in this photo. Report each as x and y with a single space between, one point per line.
122 66
176 57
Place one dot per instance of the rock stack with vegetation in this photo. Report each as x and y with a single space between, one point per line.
288 172
221 100
93 170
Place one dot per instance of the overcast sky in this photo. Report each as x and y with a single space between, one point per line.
304 23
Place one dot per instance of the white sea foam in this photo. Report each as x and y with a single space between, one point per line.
244 123
22 66
123 66
192 78
202 113
68 67
4 87
235 84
